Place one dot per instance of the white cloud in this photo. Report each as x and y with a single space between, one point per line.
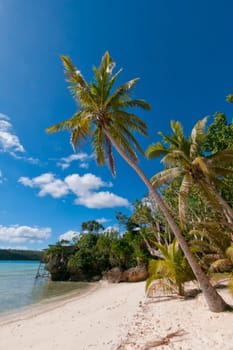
84 187
102 220
69 235
18 234
111 228
48 184
83 159
19 247
102 200
9 142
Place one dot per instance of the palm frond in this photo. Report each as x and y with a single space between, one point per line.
172 271
222 172
197 137
165 176
224 158
177 129
72 73
68 124
176 157
136 103
130 138
171 140
208 197
121 92
78 87
156 150
107 64
129 120
122 141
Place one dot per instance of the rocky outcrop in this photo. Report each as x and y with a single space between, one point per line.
60 270
114 275
57 263
134 274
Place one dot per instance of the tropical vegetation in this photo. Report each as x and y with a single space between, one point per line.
17 254
104 117
172 271
93 253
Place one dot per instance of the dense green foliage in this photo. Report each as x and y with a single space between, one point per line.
14 254
185 159
94 253
200 204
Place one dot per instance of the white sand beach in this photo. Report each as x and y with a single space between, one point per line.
119 316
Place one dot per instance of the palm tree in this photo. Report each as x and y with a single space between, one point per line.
103 116
186 160
172 271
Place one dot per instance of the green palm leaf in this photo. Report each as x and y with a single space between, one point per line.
121 94
156 150
172 271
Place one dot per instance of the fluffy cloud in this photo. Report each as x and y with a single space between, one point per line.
69 235
83 159
19 234
102 200
48 184
9 142
84 187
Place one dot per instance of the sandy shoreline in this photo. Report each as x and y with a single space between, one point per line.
97 319
118 316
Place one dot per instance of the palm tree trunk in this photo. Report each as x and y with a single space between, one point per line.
213 299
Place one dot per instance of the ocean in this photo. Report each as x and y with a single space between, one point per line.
19 288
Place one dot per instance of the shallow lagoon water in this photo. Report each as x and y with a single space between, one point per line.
19 287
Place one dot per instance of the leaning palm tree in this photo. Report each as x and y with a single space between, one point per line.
104 117
186 161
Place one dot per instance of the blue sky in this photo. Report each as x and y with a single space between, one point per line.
181 50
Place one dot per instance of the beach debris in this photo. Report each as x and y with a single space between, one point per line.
163 341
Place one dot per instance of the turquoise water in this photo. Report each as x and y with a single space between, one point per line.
19 288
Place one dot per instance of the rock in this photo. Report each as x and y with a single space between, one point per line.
135 274
114 275
57 263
